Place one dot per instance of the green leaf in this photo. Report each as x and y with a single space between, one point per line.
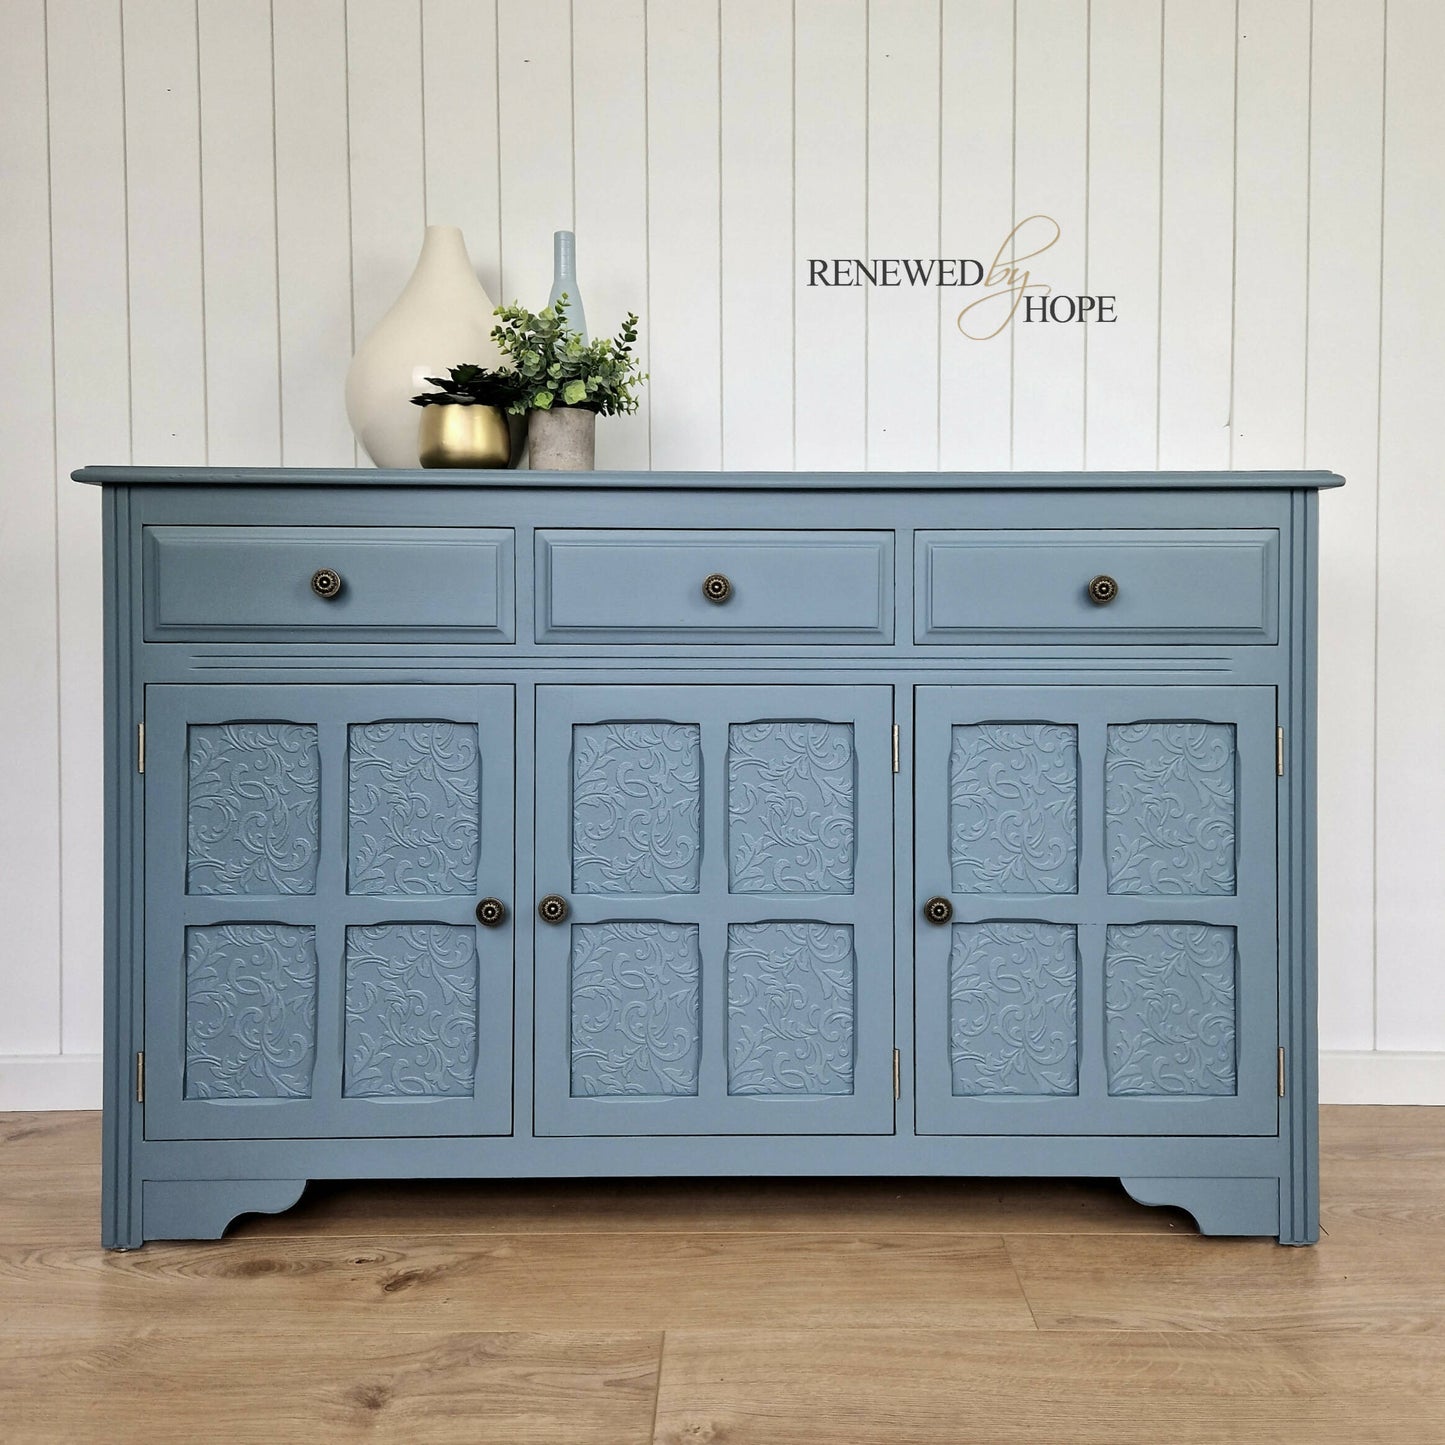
555 366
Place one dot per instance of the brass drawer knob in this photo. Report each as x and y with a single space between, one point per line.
491 913
1103 589
716 587
326 583
938 910
553 908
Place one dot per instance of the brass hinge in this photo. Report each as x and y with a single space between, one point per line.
1279 752
1281 1073
140 1076
140 747
895 747
897 1076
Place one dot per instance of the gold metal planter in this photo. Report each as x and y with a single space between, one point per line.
464 436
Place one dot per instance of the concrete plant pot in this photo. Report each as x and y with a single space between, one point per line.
562 439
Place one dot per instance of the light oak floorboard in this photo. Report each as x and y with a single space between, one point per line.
282 1384
932 1387
520 1282
1350 1285
843 1311
1359 1131
50 1178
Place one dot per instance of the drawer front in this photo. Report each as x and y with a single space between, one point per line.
1212 586
227 582
612 586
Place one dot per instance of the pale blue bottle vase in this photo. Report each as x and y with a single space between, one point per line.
564 278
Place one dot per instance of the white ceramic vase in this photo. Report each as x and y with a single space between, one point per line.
442 319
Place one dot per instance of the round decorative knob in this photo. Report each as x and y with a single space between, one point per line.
326 583
716 587
938 910
553 908
491 912
1103 589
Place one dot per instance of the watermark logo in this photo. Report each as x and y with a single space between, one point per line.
1012 284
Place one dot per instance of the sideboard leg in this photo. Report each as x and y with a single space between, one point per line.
204 1208
1219 1206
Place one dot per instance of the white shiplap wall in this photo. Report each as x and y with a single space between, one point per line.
203 203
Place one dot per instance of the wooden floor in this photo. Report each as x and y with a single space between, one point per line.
831 1313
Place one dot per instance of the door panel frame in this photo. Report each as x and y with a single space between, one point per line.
171 709
1092 707
869 910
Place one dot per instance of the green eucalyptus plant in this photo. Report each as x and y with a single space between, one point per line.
558 368
473 386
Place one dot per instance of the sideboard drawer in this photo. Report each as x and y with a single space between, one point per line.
675 586
228 582
1213 586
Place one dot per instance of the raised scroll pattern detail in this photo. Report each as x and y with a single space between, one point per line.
635 1008
414 803
790 1008
1169 807
411 1010
1013 808
636 802
1169 993
250 1011
252 814
1013 1008
791 805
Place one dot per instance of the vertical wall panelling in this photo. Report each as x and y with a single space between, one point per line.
30 847
313 230
88 256
757 234
1271 232
1051 111
683 243
163 220
534 49
1121 403
1197 234
1342 433
830 215
1410 783
903 146
976 215
384 110
459 73
609 122
238 232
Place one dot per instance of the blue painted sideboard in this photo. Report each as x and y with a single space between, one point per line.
497 824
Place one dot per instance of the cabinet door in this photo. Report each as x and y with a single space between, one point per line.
1110 966
726 856
314 860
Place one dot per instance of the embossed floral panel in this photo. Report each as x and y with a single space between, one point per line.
252 807
791 807
1013 808
414 809
1169 807
250 1011
1169 993
636 800
1013 1008
635 1008
411 1010
790 1008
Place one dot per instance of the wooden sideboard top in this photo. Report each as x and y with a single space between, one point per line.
711 481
